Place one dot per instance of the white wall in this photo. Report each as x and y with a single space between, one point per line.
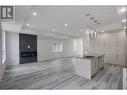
12 51
0 51
2 66
126 49
112 44
45 45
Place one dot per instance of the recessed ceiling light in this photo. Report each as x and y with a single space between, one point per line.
53 30
102 31
123 9
81 30
28 24
124 20
34 13
65 24
124 27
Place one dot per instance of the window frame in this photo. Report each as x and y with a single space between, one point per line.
57 47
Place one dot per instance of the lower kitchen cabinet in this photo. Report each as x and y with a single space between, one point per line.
94 66
88 67
101 62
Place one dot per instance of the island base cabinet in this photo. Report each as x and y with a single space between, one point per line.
101 62
83 68
94 66
87 68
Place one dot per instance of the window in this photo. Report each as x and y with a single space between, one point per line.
78 46
57 47
3 47
75 44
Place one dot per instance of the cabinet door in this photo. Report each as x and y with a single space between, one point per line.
99 62
92 67
102 61
96 65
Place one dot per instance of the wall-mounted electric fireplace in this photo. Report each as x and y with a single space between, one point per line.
27 48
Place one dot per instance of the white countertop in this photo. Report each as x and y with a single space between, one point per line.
96 55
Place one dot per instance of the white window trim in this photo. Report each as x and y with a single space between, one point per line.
57 47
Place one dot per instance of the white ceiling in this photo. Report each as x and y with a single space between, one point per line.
54 17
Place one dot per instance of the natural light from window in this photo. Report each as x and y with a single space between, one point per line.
57 47
78 46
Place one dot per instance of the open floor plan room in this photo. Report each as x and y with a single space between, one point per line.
63 47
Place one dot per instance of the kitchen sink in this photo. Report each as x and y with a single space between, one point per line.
89 56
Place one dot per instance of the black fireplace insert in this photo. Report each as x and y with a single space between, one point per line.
28 54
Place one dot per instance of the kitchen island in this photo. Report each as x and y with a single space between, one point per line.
88 66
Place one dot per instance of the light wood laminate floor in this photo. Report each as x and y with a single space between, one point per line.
59 74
